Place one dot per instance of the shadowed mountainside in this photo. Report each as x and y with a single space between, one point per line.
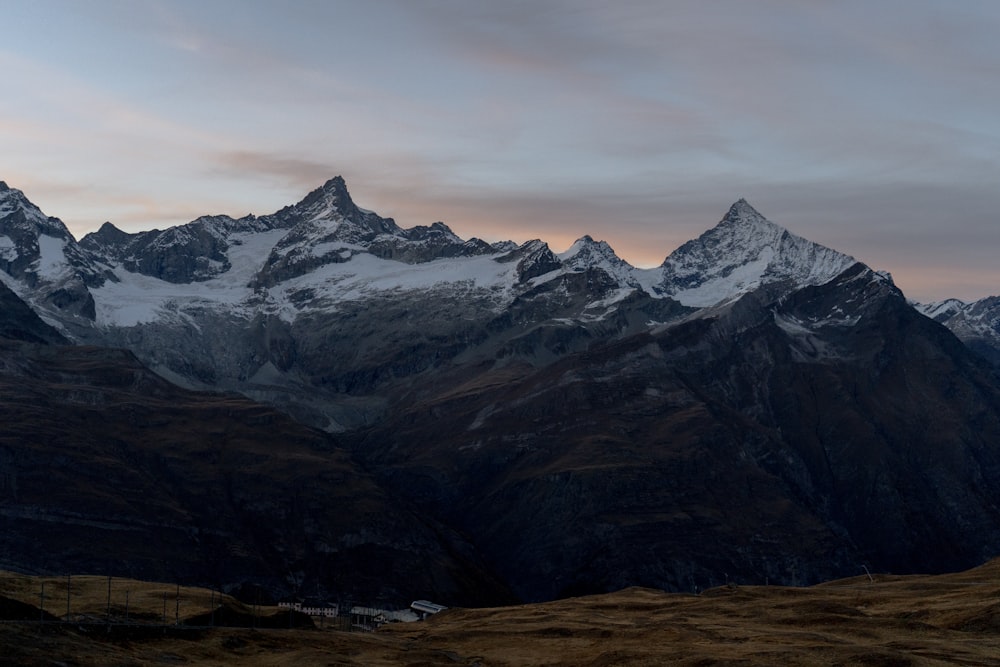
107 468
784 441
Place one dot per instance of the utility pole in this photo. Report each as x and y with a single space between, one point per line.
69 587
177 607
41 604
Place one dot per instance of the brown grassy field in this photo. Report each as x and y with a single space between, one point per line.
915 620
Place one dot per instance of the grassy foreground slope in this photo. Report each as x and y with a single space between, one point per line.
890 620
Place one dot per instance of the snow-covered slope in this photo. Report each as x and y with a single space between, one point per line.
977 324
941 311
743 252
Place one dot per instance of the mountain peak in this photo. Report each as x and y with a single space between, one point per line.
333 192
336 185
742 211
19 212
743 252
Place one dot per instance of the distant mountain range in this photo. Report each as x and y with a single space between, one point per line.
758 407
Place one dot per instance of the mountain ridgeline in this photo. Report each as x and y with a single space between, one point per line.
482 422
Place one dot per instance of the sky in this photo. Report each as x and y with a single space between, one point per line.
870 126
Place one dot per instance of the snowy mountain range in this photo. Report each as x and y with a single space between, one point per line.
290 286
758 405
270 264
298 288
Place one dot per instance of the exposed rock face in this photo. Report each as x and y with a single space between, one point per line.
39 253
785 441
194 252
425 244
533 259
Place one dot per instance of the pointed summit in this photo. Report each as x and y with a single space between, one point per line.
742 253
335 188
742 211
586 254
336 184
330 205
332 196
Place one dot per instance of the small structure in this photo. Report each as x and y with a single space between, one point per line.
426 608
312 608
366 619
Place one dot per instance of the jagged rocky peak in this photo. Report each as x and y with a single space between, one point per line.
40 253
585 249
743 212
534 258
331 205
426 243
332 196
743 252
587 254
436 229
105 239
19 216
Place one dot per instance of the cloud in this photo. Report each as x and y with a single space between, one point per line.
287 170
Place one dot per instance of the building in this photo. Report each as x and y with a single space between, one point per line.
426 608
312 608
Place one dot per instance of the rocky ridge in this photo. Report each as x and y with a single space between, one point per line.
977 324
